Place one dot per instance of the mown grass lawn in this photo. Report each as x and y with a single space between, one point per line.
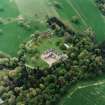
49 43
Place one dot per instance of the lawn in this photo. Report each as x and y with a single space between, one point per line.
49 43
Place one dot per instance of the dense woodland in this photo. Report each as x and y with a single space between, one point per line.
45 86
101 5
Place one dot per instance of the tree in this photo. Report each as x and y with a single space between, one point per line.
75 19
57 5
12 100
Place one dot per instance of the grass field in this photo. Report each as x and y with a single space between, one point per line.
9 8
38 10
67 11
91 15
12 35
88 93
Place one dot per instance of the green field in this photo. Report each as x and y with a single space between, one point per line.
88 12
86 93
38 10
12 35
91 15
